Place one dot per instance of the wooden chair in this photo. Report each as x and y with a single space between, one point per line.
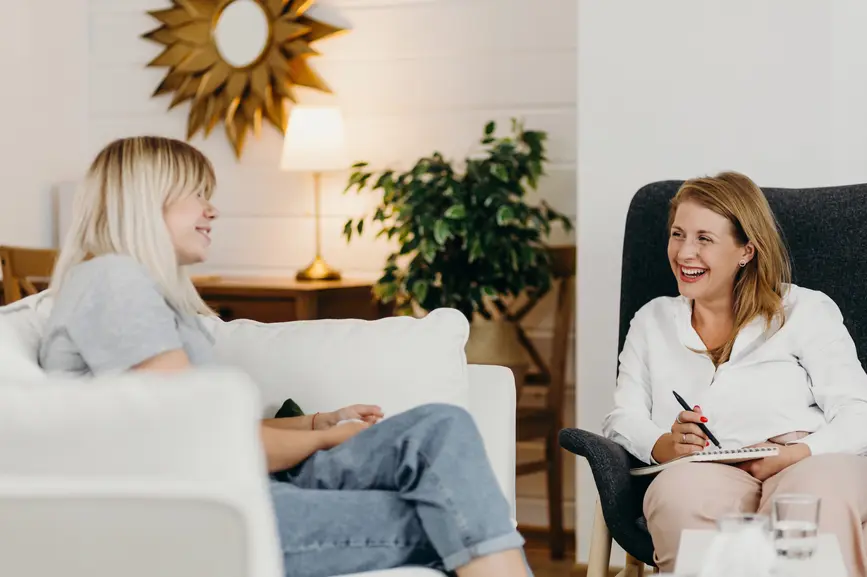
545 422
22 267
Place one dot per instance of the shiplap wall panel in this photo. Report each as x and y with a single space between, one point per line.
411 77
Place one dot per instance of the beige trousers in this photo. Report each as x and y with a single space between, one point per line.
694 495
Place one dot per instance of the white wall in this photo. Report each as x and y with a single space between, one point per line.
43 49
677 88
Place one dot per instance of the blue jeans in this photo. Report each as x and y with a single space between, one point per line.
414 489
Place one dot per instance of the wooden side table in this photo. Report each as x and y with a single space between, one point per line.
283 299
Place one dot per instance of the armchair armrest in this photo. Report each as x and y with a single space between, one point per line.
492 405
620 494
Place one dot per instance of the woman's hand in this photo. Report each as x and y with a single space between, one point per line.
766 468
337 435
685 437
370 414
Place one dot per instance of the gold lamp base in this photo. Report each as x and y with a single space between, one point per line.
318 270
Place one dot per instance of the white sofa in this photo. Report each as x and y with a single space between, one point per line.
142 475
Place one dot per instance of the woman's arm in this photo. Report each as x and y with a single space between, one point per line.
287 442
630 424
285 448
169 361
838 381
301 423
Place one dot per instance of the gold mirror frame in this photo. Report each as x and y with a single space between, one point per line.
240 97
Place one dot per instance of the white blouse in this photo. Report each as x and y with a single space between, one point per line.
804 376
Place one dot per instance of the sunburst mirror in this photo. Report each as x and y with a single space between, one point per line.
237 61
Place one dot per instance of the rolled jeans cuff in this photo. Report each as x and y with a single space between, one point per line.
505 542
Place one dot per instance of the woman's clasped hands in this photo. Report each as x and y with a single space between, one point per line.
359 417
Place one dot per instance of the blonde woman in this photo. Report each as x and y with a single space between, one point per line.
414 489
764 362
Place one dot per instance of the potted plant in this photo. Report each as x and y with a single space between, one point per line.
465 237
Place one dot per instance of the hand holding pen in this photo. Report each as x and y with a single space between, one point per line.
689 415
689 434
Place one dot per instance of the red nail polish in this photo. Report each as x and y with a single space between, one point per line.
696 408
704 419
707 444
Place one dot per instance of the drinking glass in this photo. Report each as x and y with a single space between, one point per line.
736 522
795 521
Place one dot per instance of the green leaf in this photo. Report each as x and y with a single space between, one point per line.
499 171
490 127
385 291
384 177
505 214
489 291
441 232
419 290
360 227
354 179
428 250
347 230
456 211
475 250
361 164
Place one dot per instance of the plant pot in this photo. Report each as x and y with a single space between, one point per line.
495 342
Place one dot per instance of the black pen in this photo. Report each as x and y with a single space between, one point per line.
700 425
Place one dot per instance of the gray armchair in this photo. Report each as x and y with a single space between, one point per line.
826 232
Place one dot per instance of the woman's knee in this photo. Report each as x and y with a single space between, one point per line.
832 477
670 496
697 494
442 413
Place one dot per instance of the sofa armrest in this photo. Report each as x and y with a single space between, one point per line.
137 474
492 404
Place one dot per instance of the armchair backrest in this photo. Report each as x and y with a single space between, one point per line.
825 230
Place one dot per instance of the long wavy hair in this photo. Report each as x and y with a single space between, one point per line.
118 209
760 285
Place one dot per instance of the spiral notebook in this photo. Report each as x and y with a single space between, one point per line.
729 456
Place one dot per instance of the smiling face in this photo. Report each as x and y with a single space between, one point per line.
704 253
189 223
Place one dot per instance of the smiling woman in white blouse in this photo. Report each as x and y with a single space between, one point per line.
765 362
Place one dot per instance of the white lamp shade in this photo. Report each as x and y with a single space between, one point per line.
315 140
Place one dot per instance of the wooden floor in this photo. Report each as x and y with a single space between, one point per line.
539 556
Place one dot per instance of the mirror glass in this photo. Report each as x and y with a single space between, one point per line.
241 33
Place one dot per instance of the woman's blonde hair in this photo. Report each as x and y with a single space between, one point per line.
759 286
118 209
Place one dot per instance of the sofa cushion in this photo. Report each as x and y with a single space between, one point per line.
397 362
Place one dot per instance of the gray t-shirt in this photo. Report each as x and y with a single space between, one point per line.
110 316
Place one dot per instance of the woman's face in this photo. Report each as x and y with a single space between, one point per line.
189 223
704 254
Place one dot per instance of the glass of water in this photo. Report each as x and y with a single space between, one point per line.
735 522
795 521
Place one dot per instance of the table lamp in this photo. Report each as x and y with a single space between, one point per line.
315 143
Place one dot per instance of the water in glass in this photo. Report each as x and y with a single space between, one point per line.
795 525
